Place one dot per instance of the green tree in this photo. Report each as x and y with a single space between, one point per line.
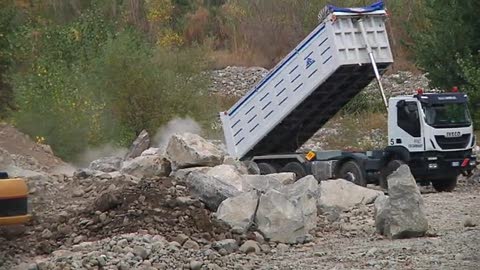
7 14
451 34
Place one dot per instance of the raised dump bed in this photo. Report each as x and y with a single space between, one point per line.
311 84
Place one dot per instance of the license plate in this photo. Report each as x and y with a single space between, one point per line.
456 164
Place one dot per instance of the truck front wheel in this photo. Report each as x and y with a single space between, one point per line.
352 172
446 184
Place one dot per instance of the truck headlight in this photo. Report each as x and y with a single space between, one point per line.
472 163
432 158
433 166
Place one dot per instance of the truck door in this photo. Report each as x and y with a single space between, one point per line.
407 131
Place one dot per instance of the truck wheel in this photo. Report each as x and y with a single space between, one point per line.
266 168
352 172
391 167
446 184
296 168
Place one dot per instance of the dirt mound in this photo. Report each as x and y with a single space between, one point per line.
157 206
26 153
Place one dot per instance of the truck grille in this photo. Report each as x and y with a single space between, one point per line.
453 143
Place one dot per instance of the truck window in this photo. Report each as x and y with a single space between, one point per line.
408 120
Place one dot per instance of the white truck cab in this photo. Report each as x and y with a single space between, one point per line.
433 133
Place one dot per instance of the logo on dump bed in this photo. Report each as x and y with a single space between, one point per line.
310 62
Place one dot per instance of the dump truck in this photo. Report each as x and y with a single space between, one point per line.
349 49
13 200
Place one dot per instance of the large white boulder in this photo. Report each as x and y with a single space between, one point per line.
287 215
210 190
106 164
141 143
147 166
344 195
238 212
402 214
262 183
228 174
190 150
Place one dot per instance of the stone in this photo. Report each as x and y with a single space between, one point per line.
147 166
182 174
190 150
285 178
250 246
46 234
141 143
469 223
106 201
402 214
106 164
210 190
288 215
78 192
196 265
141 252
190 244
344 195
229 245
228 174
152 151
239 211
262 183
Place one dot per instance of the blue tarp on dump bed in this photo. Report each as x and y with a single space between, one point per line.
374 7
331 8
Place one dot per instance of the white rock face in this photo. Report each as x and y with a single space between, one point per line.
287 216
141 143
344 195
106 164
228 174
402 214
238 212
190 150
210 190
152 151
285 178
147 166
262 183
182 174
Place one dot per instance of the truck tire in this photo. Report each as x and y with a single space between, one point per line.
352 172
297 168
446 184
391 167
266 168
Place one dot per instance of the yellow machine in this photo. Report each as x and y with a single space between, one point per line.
13 201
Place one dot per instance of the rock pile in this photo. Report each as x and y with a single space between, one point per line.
235 81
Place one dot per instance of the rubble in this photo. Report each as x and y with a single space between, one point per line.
117 220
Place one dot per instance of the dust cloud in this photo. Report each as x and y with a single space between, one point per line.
177 125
